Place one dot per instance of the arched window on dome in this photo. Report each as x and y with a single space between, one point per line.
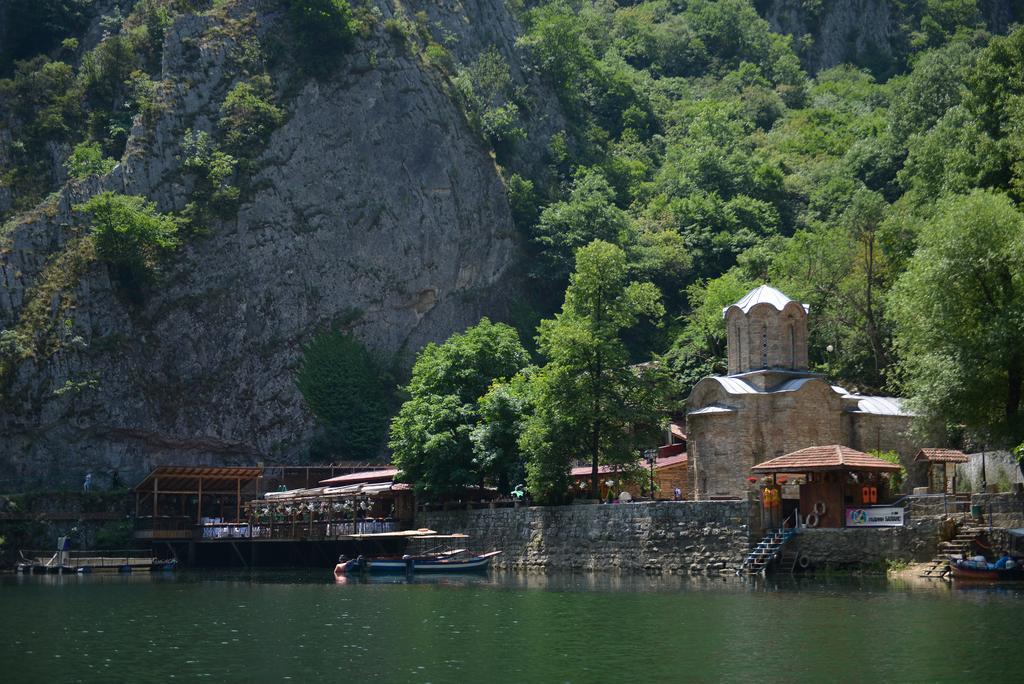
739 347
764 347
792 346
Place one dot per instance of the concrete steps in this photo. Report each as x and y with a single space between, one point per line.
960 545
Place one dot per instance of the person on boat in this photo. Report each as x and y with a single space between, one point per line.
1001 563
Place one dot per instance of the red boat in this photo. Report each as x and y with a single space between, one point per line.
971 570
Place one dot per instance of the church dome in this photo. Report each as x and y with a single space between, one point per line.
766 330
765 294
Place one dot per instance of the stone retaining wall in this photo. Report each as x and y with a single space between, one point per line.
849 549
680 537
1001 510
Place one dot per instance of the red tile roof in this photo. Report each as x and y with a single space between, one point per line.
670 461
822 458
941 456
380 475
584 471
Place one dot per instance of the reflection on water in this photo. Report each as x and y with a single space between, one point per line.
301 625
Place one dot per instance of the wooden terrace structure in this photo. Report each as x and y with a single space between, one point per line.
208 515
173 501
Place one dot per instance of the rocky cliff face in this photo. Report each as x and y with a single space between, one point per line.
868 33
374 207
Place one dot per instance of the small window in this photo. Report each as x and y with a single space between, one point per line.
792 346
764 347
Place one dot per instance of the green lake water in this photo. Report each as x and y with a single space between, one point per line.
299 626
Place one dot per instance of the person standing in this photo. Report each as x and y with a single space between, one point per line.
87 483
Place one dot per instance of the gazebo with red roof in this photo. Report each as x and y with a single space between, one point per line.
837 477
941 468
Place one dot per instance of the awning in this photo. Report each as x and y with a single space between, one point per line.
379 475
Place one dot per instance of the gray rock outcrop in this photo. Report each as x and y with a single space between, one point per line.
374 207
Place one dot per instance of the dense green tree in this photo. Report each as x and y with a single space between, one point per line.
959 317
87 160
344 386
34 27
588 214
432 434
130 235
924 95
842 270
700 349
996 99
589 403
248 116
503 412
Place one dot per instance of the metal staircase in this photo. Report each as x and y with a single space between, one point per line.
766 551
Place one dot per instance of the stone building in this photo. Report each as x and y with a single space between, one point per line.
770 404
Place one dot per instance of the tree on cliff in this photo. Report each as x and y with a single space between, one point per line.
588 401
343 384
432 434
959 317
130 235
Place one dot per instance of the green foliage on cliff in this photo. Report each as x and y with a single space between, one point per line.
130 236
214 193
248 116
696 142
87 160
323 31
345 387
37 27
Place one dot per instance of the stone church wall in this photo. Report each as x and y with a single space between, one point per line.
725 446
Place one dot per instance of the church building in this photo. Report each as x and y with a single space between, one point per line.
770 404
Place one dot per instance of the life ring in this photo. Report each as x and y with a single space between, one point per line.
811 520
803 561
819 508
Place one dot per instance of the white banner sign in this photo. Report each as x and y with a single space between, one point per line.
874 516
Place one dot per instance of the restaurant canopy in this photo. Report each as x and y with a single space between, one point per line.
185 479
826 458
